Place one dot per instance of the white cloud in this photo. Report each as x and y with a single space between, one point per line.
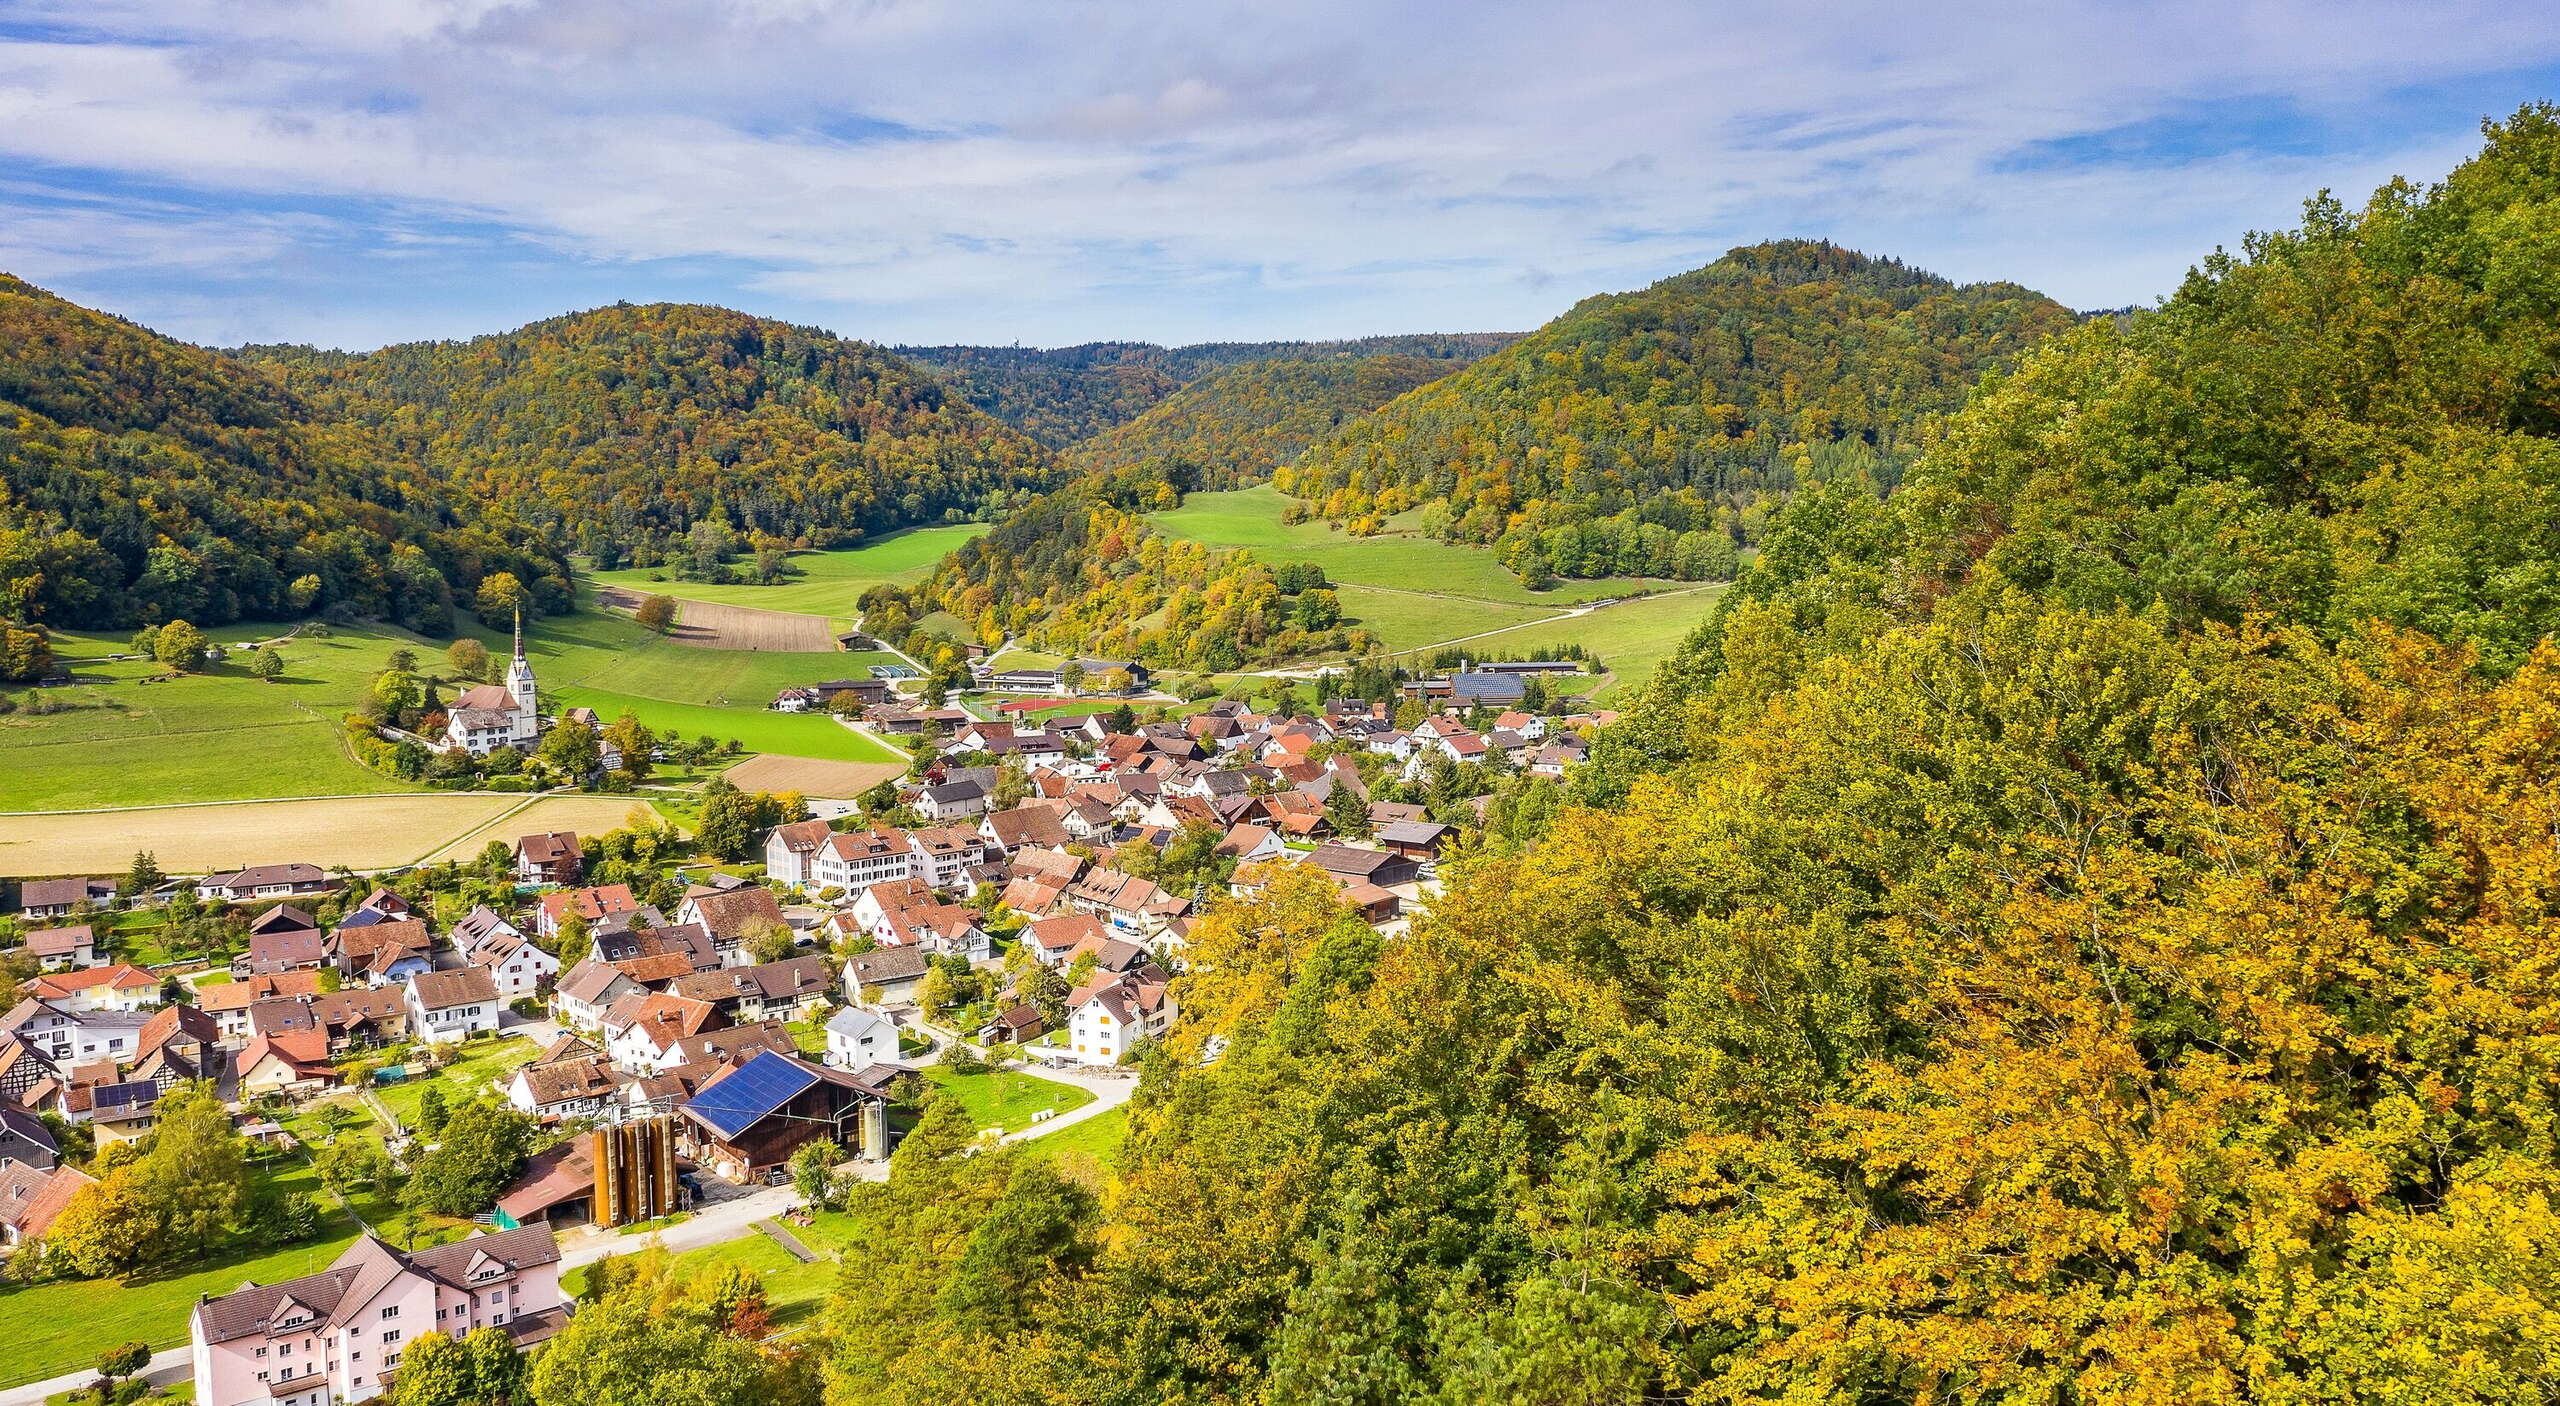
1053 172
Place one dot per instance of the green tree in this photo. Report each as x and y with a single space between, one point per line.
1345 811
142 876
267 665
656 613
813 1173
572 747
631 1349
499 599
727 827
484 1145
194 1178
633 742
181 646
431 1109
468 658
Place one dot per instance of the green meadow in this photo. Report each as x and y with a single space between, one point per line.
828 583
1632 638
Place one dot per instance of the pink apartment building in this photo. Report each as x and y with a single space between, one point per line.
337 1335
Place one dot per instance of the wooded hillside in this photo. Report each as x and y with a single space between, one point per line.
1232 428
1597 444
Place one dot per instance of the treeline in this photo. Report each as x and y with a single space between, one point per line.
1667 417
618 430
2077 929
1064 395
1231 429
143 480
1079 571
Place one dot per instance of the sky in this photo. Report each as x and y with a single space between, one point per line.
356 172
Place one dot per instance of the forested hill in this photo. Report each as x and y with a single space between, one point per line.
1231 428
2087 936
621 427
146 480
1060 395
1688 407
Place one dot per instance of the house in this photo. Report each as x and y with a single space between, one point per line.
791 852
952 800
732 917
295 1063
1418 840
1124 901
25 1139
335 1335
1249 844
384 953
587 992
860 858
944 854
488 716
58 898
453 1005
1385 868
752 1118
31 1197
283 946
361 1018
123 1110
1101 676
59 949
1053 942
513 961
1037 825
229 1002
1479 688
642 1029
858 1039
72 1037
178 1043
736 1044
866 693
591 904
887 976
1106 1019
770 991
263 881
576 1085
27 1074
549 859
122 987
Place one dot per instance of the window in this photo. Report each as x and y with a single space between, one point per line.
284 1350
262 1376
262 1352
392 1312
391 1335
497 1296
496 1318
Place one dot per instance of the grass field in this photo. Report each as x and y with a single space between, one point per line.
220 735
49 1329
1098 1137
1004 1098
1632 639
1250 517
463 1080
1405 620
793 1290
829 582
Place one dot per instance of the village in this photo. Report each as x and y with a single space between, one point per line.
694 1051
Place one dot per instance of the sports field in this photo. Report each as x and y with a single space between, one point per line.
365 832
829 582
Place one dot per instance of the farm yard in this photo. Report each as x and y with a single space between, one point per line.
360 832
828 583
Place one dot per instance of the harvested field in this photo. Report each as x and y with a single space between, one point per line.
705 625
829 780
363 832
579 815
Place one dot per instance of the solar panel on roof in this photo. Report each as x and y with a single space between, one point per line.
118 1095
760 1086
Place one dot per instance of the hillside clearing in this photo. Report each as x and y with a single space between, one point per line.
829 582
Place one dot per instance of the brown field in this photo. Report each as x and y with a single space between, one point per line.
579 815
707 626
831 780
371 832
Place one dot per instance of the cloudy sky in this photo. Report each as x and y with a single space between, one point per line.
351 172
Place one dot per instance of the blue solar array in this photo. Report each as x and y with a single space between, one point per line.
119 1095
760 1086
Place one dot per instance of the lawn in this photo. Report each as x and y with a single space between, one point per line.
1005 1098
1098 1137
463 1080
793 1290
219 735
829 582
1250 518
49 1329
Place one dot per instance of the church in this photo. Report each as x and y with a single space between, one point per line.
488 716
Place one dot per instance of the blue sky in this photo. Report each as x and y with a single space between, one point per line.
351 172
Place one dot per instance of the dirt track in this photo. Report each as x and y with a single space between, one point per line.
707 626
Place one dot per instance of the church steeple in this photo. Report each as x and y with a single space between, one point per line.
519 632
520 677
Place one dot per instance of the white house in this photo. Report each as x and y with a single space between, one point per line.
857 1039
61 949
1109 1017
263 881
575 1085
860 858
453 1005
69 1037
122 987
512 960
587 992
791 852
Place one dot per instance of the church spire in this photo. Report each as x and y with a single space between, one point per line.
519 631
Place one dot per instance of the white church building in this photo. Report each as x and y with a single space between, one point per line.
488 716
